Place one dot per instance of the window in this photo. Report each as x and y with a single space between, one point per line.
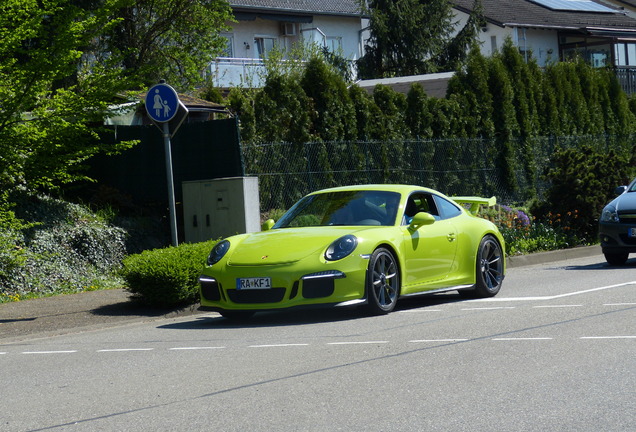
264 45
447 209
625 54
333 44
596 56
419 202
228 51
599 56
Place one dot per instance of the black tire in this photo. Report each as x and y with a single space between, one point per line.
237 315
616 258
489 269
383 282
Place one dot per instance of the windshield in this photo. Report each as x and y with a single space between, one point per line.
343 208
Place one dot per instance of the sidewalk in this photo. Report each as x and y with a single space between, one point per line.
96 309
72 313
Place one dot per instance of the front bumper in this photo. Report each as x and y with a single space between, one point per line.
292 285
618 237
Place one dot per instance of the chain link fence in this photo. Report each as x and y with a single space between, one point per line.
512 171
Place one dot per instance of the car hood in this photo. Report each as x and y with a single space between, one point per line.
626 203
286 245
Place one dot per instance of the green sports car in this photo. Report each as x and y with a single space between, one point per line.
357 245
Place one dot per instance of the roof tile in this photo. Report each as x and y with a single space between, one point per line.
336 7
524 13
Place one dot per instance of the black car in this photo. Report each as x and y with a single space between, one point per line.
617 227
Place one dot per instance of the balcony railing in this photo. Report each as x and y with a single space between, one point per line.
228 72
627 78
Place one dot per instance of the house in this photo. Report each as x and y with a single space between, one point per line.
263 25
629 6
134 113
601 32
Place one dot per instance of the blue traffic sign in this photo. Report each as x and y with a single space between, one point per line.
162 103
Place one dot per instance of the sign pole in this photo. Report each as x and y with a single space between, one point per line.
162 105
173 207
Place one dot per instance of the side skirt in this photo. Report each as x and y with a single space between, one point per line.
440 290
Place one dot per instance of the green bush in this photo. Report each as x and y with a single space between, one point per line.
582 180
166 277
55 247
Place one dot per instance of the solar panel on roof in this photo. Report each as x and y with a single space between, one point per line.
574 5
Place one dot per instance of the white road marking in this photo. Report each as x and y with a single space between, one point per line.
125 349
357 343
556 306
419 310
277 345
608 337
449 340
195 348
505 299
489 308
619 304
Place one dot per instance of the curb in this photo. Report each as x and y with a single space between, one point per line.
553 256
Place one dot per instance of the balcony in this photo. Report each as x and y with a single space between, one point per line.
627 78
227 72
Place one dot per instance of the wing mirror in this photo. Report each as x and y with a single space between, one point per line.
267 225
421 219
620 190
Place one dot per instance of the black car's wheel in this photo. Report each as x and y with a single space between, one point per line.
490 268
383 282
616 258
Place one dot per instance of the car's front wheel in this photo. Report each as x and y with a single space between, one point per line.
383 282
616 258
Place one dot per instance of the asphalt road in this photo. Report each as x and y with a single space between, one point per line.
554 351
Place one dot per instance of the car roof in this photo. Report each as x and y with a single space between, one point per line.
402 189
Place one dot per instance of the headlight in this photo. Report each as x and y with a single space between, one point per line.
341 248
609 214
218 251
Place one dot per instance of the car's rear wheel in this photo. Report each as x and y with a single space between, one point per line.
616 258
383 282
490 268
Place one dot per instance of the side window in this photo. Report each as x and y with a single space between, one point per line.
419 202
448 209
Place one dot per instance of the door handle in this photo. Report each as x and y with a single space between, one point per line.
451 237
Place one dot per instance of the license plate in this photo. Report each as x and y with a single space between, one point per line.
253 283
632 232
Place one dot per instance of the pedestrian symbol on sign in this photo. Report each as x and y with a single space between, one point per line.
162 103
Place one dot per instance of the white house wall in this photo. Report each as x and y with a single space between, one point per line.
543 44
244 68
347 29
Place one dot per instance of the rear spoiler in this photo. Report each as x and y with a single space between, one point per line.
475 202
